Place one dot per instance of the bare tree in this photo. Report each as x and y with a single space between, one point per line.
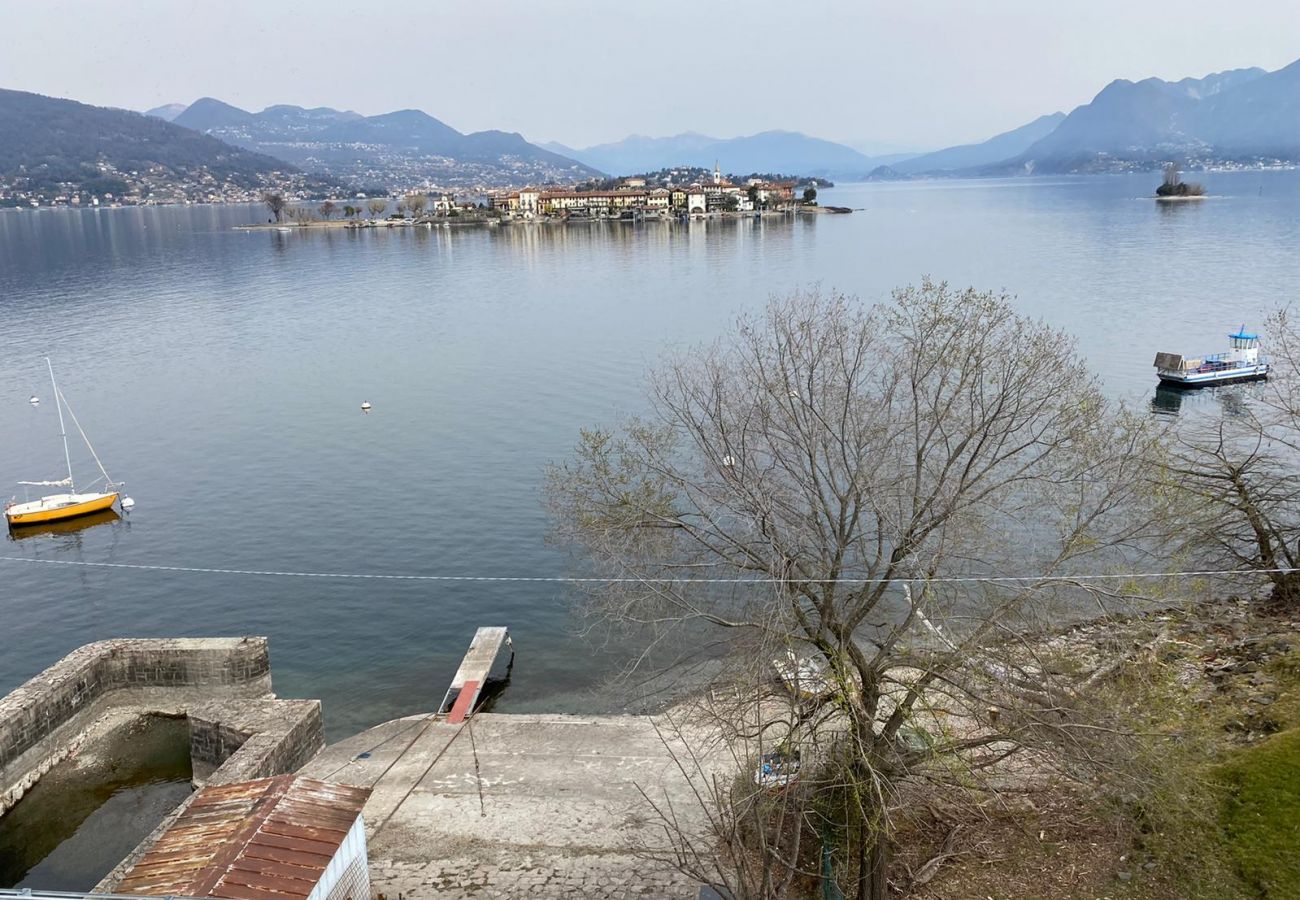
812 484
1237 475
327 209
274 202
377 207
416 204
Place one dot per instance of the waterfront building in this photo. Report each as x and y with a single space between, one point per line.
530 201
717 195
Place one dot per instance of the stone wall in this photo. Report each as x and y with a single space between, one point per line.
46 718
247 739
238 740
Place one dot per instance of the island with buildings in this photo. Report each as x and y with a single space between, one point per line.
636 196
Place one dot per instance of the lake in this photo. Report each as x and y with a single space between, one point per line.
220 374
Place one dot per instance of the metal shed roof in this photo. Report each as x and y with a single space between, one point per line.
268 839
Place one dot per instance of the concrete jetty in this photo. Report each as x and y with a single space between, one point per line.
460 803
535 806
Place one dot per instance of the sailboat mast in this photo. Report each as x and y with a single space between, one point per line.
63 431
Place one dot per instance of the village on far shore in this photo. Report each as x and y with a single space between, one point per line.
671 194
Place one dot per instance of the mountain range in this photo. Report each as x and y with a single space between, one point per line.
995 149
1242 115
47 141
211 148
768 151
404 146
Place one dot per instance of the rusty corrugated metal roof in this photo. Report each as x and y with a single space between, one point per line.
268 839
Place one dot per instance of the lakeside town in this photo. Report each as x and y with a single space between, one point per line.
628 199
633 196
679 192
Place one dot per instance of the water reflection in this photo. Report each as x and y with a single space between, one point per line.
1173 208
1229 399
1168 401
88 812
71 528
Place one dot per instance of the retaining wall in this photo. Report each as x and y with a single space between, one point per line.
47 718
237 740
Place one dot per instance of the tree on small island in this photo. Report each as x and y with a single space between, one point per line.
810 194
327 209
1174 186
376 207
275 203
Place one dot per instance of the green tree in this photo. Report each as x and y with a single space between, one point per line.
810 194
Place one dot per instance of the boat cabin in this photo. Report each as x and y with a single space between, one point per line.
1245 347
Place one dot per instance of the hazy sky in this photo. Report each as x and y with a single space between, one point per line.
910 74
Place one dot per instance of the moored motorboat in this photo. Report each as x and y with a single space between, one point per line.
1242 362
72 503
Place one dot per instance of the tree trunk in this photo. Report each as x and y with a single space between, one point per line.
873 863
1286 591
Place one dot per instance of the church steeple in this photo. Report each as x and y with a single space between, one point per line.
717 173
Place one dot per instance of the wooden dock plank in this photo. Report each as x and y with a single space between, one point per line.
478 659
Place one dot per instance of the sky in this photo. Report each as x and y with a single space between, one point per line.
885 76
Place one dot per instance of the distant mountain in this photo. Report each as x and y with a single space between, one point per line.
967 156
207 114
557 147
47 141
1257 116
768 151
404 148
1240 115
639 153
166 112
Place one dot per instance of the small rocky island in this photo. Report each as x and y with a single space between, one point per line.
1174 188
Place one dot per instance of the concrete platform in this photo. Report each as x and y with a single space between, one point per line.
514 805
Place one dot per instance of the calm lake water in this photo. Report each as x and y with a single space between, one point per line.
220 374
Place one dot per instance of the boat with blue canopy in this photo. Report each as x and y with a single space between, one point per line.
1242 362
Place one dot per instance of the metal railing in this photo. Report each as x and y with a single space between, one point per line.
37 894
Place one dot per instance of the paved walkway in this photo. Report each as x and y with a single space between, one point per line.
514 806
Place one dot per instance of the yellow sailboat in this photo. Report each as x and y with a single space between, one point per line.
73 503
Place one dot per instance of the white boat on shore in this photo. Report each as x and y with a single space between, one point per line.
1241 363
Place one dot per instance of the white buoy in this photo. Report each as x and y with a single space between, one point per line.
365 406
127 503
35 400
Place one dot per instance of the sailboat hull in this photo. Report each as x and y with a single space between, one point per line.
57 508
